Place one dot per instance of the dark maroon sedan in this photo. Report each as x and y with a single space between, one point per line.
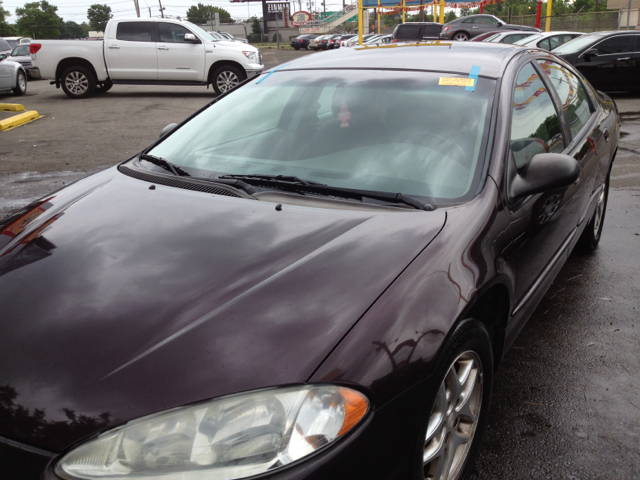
313 277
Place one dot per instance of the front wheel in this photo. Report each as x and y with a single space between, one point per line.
78 82
459 405
226 77
460 37
21 84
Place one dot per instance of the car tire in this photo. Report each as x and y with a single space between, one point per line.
21 84
78 82
226 77
592 233
458 405
460 37
104 87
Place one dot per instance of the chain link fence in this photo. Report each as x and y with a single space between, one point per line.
574 22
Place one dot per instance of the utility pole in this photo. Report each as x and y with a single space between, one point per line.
161 9
137 5
422 11
149 12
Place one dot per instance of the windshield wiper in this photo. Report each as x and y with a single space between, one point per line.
166 164
290 179
297 184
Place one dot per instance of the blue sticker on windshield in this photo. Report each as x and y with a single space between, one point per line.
475 71
271 72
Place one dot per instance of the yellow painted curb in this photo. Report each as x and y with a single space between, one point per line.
11 107
17 120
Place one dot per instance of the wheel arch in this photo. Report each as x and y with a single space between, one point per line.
73 62
461 30
221 63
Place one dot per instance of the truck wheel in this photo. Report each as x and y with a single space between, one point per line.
78 82
104 86
21 84
226 77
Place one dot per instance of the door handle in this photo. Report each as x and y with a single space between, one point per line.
623 59
474 27
114 47
163 48
606 135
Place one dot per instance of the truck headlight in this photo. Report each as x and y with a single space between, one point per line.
228 438
252 56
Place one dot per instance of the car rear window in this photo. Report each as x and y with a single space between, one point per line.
135 31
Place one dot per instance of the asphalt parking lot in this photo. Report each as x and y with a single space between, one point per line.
565 404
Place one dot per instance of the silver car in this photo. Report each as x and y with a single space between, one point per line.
12 76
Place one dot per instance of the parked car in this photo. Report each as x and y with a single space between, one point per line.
465 28
417 31
548 40
302 41
22 55
314 277
314 44
482 36
332 41
609 60
12 76
228 36
381 40
5 47
325 42
15 41
342 39
145 51
507 37
354 40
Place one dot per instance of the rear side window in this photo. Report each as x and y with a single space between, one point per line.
617 44
409 31
135 31
535 126
432 30
571 92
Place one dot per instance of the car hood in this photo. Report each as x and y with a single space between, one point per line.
119 300
240 46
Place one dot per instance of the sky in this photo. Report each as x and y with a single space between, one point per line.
76 10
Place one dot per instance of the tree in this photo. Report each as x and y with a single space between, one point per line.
38 20
98 16
201 14
6 29
256 28
74 30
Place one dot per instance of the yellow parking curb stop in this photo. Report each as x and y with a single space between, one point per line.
17 120
11 107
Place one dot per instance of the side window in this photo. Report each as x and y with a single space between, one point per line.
486 21
172 33
135 31
544 44
409 31
535 126
571 92
617 44
470 20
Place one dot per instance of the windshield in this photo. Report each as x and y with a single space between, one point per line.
20 50
491 37
526 40
577 44
387 131
210 36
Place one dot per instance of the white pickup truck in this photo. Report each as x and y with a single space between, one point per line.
151 51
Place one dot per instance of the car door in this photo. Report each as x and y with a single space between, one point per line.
611 68
179 60
6 74
542 223
483 24
132 54
635 64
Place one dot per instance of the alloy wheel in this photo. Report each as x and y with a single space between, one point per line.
227 80
454 419
460 37
77 83
22 83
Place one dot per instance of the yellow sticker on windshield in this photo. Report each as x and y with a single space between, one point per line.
460 82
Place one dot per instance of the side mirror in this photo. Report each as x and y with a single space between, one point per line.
3 56
191 38
545 171
168 129
592 52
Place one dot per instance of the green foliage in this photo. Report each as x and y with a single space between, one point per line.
6 29
201 14
257 38
450 16
275 37
74 30
38 20
99 15
256 27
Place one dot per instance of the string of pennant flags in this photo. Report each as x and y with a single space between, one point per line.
416 8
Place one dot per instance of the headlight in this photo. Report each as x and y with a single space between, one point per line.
252 56
228 438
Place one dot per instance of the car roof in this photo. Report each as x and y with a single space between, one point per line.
457 57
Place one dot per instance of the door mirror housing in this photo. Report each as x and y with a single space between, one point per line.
168 129
592 52
191 38
545 172
3 56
